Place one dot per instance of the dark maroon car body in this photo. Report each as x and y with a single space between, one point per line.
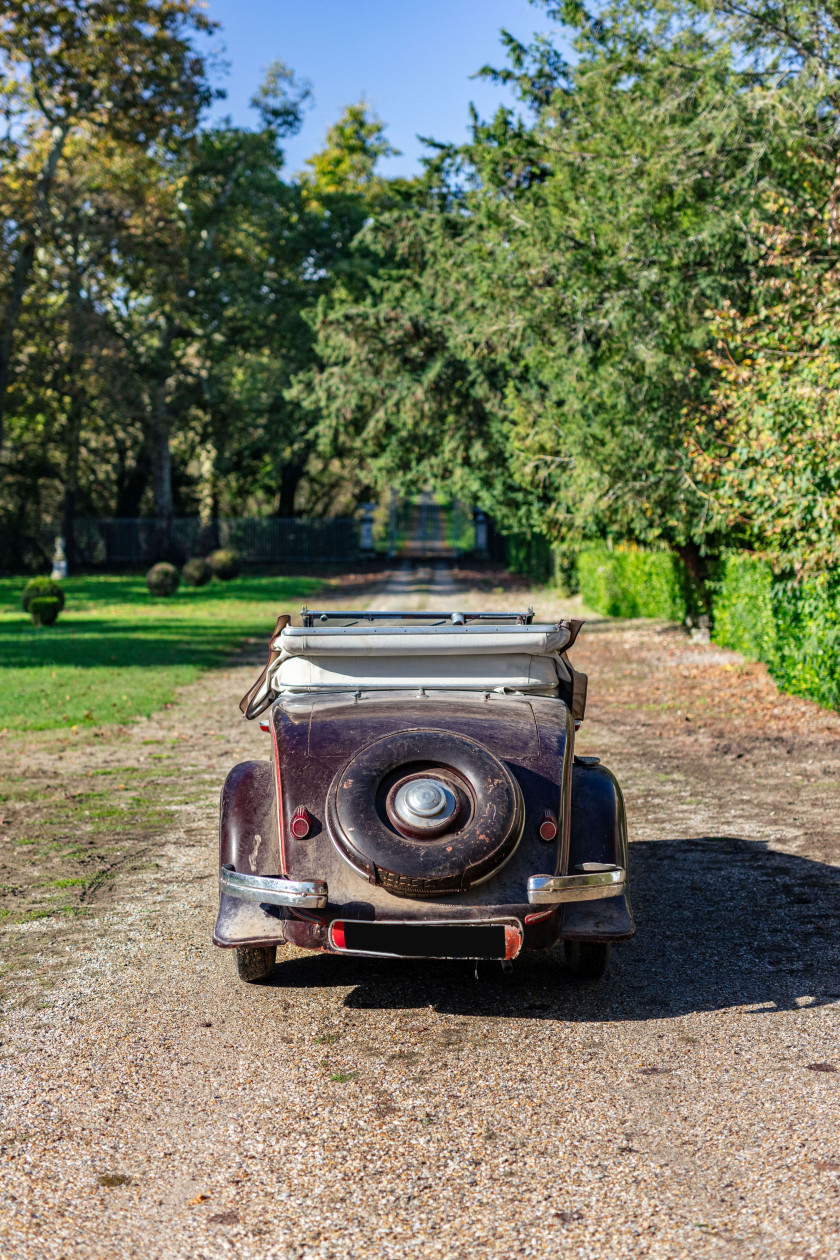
315 853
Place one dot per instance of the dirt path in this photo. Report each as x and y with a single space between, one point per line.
686 1107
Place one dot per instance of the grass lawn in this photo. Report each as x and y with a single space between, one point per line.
117 652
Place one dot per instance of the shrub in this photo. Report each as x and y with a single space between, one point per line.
196 572
41 587
630 582
792 626
163 578
807 658
224 563
744 617
44 609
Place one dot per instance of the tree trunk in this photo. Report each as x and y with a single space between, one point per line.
697 567
159 452
71 477
11 315
77 394
290 479
131 484
22 269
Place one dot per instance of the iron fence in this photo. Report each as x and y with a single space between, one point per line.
117 543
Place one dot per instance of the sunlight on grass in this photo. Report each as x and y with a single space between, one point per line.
117 652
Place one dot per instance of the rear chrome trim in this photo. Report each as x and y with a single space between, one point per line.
305 894
590 882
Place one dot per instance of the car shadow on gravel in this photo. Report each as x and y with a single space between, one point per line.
722 922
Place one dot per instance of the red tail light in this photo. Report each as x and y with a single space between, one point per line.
548 826
300 823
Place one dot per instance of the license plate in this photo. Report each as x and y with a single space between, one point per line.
427 940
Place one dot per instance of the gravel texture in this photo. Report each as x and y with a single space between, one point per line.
685 1107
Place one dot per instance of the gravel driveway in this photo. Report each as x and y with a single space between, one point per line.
685 1107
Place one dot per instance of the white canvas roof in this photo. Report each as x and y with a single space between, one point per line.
472 657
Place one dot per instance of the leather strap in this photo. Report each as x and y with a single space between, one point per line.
249 704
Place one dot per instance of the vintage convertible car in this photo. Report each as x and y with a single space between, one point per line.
422 798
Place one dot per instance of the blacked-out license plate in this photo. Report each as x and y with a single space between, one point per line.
428 940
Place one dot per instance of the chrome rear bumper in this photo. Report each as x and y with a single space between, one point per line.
589 882
304 894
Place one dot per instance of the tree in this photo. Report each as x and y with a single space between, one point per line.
124 69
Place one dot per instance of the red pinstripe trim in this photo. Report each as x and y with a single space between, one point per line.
279 793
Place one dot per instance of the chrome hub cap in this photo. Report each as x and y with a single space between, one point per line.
423 803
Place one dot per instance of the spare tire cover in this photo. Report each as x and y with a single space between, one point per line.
483 836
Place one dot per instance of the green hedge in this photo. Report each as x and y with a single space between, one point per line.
744 615
630 582
794 627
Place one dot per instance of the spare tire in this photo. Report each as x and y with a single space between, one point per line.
483 831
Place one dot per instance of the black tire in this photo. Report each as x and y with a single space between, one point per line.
587 960
477 845
255 963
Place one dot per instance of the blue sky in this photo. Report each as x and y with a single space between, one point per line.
411 61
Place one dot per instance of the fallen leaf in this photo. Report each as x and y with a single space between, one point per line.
820 1067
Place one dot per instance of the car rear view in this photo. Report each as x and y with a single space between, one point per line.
422 798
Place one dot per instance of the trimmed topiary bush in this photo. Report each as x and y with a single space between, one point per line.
163 578
41 587
44 609
196 572
224 563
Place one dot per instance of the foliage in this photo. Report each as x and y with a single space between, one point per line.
744 618
44 610
156 273
196 572
122 72
768 448
792 625
163 579
632 582
531 554
346 166
611 314
120 652
41 587
224 564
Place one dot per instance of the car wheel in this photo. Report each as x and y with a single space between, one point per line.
587 960
255 962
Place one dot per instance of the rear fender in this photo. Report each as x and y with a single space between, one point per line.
248 838
248 841
598 833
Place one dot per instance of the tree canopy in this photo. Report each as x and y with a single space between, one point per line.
609 314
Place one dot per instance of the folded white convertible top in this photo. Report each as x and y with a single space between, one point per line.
460 651
541 640
513 658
